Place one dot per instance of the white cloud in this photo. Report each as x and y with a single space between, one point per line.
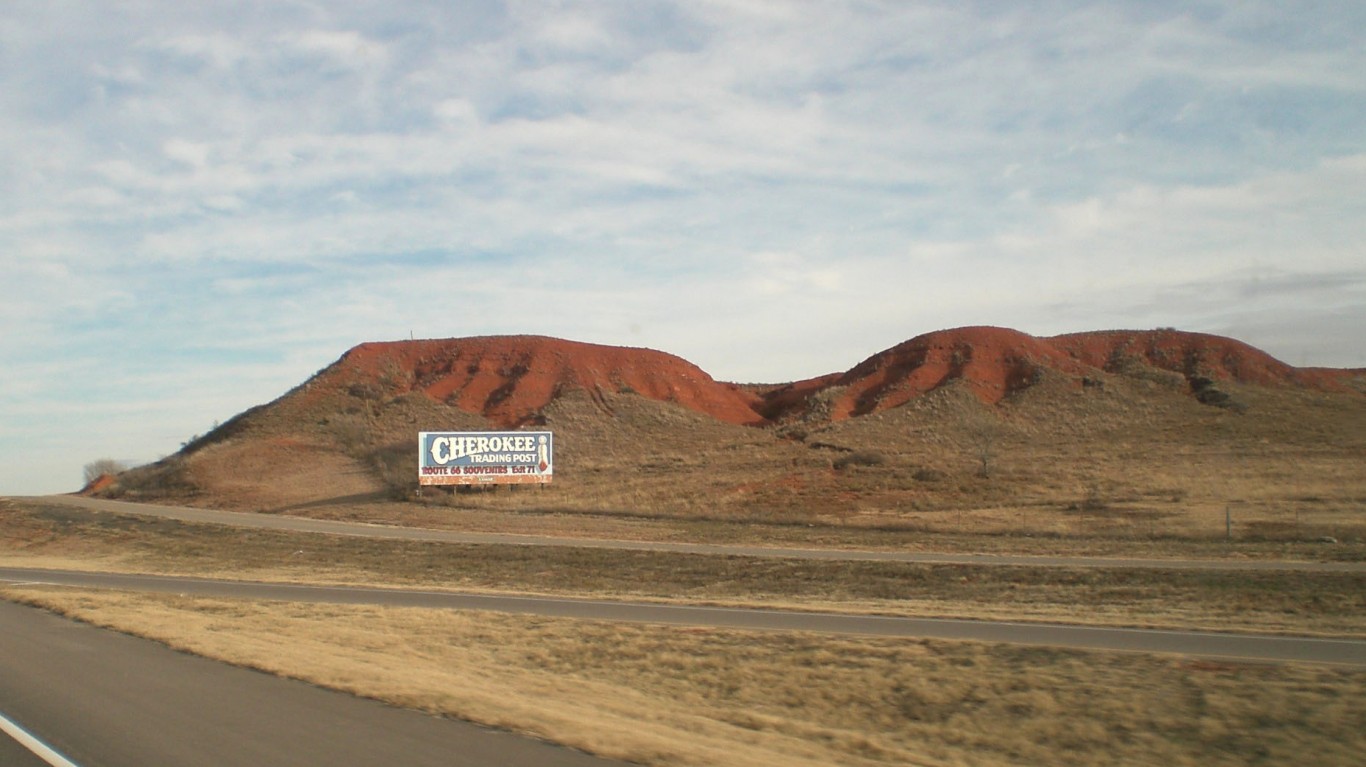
770 189
348 47
191 153
786 274
219 50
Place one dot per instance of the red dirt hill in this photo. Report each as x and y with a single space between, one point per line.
347 431
510 379
1194 355
992 362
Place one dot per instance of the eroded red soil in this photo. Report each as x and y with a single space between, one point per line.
1194 354
511 379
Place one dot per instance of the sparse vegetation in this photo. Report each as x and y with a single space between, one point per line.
1207 393
943 462
352 434
677 697
167 478
1266 601
396 467
101 467
860 458
694 696
982 434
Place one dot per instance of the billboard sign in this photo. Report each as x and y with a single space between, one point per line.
485 457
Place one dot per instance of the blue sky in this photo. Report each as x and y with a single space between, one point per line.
203 204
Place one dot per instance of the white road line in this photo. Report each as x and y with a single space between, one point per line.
40 749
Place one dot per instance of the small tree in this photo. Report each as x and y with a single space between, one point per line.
96 469
983 433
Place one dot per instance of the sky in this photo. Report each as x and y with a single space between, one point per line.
203 204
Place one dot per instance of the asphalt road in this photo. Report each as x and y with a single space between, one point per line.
14 755
1228 646
303 524
104 699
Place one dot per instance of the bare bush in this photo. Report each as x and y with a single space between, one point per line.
169 477
353 434
925 474
983 434
860 458
396 466
98 468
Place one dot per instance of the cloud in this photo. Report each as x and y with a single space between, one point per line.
788 275
193 154
773 190
348 48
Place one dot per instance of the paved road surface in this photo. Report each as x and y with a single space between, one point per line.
302 524
14 755
104 699
1253 647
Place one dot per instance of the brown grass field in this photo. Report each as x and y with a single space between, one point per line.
1324 603
678 696
672 696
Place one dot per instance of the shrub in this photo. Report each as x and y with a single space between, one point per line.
928 475
396 467
860 458
1208 393
96 469
352 433
165 478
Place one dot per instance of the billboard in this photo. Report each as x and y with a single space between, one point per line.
485 457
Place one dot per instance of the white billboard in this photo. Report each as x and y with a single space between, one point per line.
485 457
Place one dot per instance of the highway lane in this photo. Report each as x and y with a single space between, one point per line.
1229 646
12 754
104 699
303 524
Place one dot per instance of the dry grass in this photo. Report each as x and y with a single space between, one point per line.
1150 459
1132 464
1121 461
1272 601
671 696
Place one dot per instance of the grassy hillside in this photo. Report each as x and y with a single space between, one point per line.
1140 449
